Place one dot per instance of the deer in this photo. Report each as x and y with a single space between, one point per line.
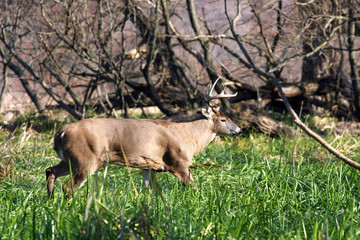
151 145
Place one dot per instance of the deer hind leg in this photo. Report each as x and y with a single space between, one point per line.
52 173
79 177
148 177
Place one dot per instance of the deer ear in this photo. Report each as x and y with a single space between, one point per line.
208 111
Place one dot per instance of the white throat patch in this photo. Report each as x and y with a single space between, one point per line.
213 137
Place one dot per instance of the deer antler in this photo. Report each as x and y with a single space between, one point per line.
212 96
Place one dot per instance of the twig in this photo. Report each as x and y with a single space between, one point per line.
190 38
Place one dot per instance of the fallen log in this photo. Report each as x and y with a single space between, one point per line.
246 119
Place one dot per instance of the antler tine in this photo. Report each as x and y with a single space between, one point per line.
221 95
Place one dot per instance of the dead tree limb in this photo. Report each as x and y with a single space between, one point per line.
205 45
175 69
164 107
276 82
5 78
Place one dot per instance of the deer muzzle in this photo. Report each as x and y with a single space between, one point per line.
236 132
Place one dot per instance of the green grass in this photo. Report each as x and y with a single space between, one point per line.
252 187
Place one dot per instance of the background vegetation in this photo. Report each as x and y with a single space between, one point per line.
109 55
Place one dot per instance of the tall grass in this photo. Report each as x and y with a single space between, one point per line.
250 187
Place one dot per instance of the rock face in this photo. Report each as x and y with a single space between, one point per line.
18 100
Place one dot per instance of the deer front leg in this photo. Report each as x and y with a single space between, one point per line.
181 171
187 179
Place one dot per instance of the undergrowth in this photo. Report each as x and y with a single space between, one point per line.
253 186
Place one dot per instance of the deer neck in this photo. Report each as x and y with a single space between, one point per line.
200 134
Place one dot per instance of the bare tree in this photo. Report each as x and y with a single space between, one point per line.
108 55
11 35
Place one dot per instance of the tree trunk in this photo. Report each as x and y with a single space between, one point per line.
3 89
31 92
354 73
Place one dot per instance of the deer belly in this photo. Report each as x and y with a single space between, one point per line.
138 162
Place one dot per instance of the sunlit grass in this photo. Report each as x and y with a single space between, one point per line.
250 187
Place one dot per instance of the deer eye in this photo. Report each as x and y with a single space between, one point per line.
223 120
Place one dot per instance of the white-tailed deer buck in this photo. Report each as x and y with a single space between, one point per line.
147 144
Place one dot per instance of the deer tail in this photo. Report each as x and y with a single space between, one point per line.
58 140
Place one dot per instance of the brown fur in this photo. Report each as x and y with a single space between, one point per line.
161 145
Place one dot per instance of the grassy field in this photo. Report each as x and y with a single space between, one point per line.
252 187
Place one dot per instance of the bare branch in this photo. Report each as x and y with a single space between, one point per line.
42 83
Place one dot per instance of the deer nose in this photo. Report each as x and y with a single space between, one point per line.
236 132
